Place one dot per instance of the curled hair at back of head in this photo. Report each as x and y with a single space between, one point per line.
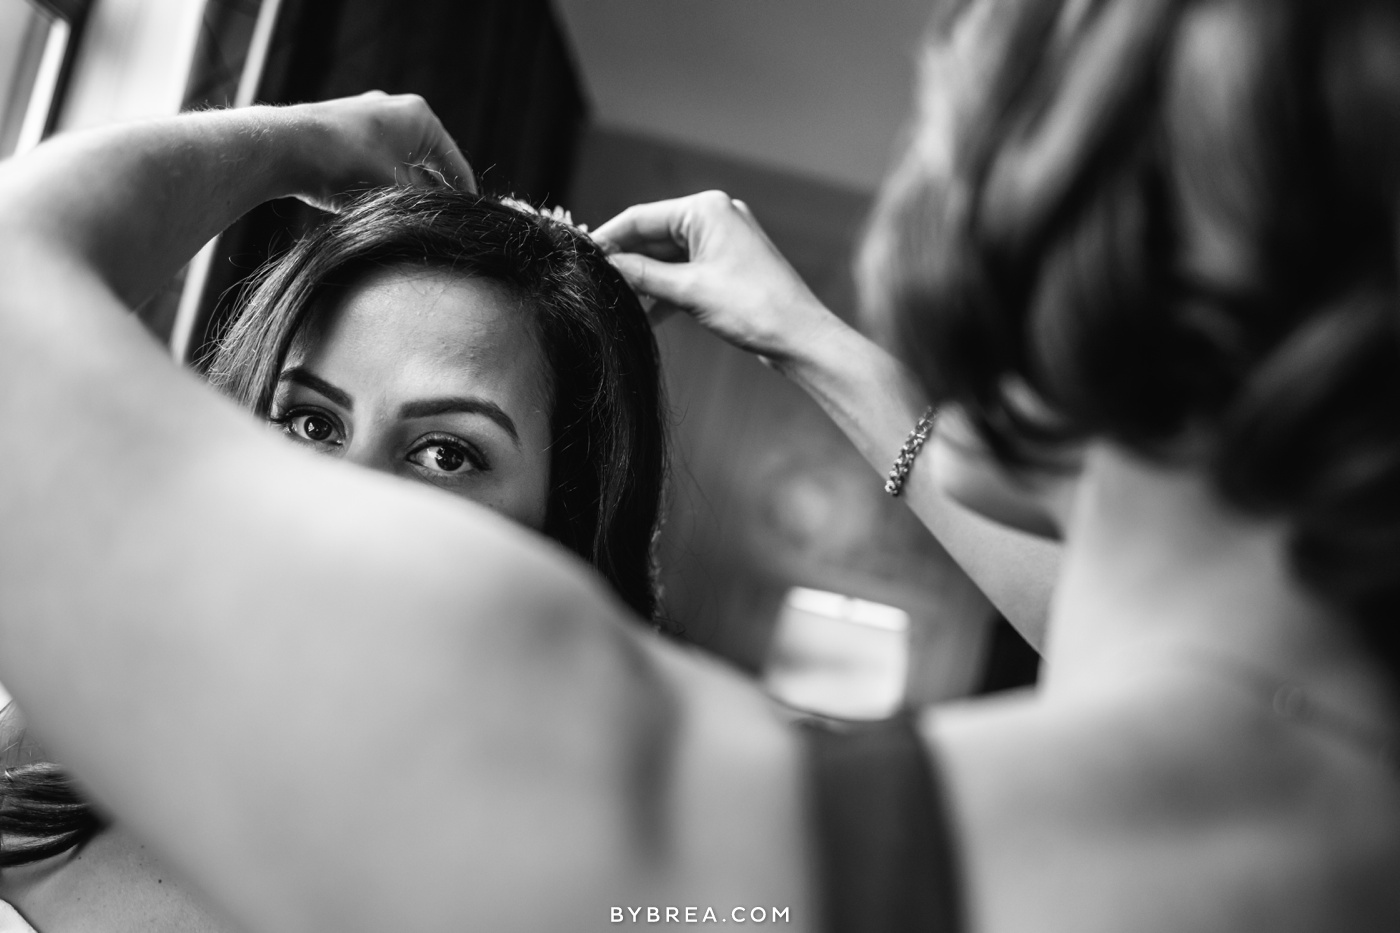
608 450
1174 222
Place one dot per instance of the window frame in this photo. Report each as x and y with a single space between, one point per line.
46 84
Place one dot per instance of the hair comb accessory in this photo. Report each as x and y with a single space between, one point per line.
904 461
557 214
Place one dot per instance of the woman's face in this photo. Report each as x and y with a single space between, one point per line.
430 375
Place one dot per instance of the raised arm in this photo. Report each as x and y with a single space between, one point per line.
708 256
134 203
337 700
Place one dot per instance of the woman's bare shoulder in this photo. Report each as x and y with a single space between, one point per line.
113 883
1098 812
733 806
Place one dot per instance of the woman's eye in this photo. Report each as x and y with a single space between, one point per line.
445 457
310 426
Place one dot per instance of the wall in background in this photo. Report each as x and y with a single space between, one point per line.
498 73
815 87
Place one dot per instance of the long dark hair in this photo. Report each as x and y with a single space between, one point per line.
1173 220
608 450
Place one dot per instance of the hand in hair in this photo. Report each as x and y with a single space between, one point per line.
707 255
134 202
375 140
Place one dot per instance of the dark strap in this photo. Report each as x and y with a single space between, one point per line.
885 856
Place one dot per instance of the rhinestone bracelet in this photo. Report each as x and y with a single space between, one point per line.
894 484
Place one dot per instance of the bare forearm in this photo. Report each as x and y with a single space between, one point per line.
876 402
133 203
708 255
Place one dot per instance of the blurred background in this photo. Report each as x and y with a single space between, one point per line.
780 551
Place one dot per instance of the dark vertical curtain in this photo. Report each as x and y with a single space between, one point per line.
499 73
72 10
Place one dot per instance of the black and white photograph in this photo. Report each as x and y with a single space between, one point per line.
831 466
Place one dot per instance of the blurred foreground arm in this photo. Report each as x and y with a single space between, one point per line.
336 700
708 256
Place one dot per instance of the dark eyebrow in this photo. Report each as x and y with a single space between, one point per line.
428 407
299 376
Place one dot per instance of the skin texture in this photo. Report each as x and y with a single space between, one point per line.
431 376
115 884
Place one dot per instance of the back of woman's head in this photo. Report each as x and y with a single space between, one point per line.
1174 221
607 454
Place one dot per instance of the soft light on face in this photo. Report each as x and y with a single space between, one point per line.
430 375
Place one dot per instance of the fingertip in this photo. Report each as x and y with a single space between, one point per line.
634 271
622 262
457 167
603 234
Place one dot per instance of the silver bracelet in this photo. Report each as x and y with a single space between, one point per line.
894 484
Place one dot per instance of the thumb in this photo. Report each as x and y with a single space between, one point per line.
665 281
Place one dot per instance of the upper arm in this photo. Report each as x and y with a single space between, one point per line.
337 700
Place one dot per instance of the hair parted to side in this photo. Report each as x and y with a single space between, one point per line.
1175 222
608 453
